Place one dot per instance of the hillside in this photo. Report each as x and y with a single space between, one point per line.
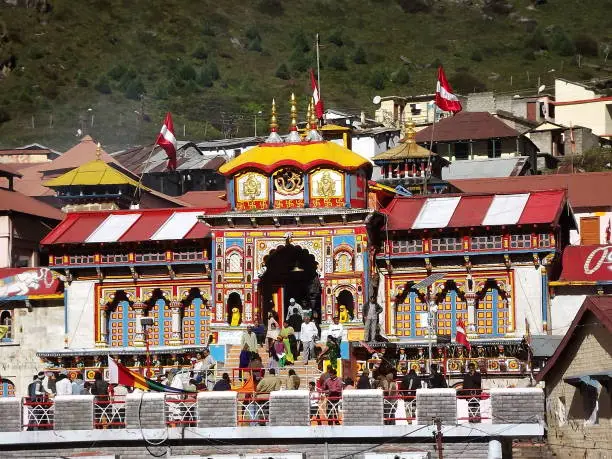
215 65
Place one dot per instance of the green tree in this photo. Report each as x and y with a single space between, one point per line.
336 38
300 42
200 53
204 78
376 80
134 89
586 45
336 61
282 72
476 55
402 76
213 70
561 43
597 159
255 45
102 85
187 72
360 56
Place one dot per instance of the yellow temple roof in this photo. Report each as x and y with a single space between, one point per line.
95 172
303 155
408 148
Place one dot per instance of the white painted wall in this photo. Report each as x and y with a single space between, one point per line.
604 218
43 328
593 115
528 299
566 91
5 256
564 309
81 300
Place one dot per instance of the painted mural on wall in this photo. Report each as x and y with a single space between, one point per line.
251 191
27 282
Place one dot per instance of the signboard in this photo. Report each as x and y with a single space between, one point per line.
587 263
29 283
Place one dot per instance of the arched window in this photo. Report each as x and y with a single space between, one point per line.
343 262
234 262
6 321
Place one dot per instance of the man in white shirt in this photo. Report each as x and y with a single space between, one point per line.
309 335
336 330
63 386
292 306
203 367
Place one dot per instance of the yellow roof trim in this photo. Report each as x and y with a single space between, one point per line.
93 173
333 127
570 283
303 155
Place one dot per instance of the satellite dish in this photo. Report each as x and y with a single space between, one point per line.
541 88
376 100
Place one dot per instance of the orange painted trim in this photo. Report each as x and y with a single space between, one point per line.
582 101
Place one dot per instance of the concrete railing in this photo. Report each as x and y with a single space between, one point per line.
281 408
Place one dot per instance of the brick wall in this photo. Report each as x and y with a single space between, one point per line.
362 407
589 351
289 408
145 410
10 420
436 403
217 409
517 406
74 412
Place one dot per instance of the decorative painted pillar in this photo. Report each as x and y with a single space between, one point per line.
470 299
139 310
102 340
544 281
176 338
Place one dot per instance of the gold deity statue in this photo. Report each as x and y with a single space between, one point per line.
251 187
326 186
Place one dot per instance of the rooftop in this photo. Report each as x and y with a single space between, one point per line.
485 168
586 190
466 126
13 201
93 173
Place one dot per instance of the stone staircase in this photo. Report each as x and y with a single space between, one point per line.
306 373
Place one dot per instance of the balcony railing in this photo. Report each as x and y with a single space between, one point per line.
400 408
325 409
38 413
109 412
181 410
253 409
473 405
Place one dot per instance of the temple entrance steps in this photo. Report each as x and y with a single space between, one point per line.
309 372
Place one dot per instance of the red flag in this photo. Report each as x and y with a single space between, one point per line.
461 335
318 102
167 141
609 231
445 99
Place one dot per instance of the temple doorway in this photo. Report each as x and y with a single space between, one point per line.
291 272
345 306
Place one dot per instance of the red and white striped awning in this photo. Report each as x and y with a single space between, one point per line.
128 226
455 211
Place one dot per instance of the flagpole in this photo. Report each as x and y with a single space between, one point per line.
433 128
144 168
318 70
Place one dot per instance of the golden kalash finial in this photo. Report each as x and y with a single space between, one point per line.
410 132
98 151
313 134
293 136
273 137
308 112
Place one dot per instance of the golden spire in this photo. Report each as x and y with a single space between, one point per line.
273 123
308 111
313 133
313 116
410 131
294 136
273 137
293 113
98 151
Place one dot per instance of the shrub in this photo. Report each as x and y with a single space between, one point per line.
255 45
271 7
204 78
200 53
376 79
476 56
82 81
465 83
415 6
336 61
282 72
299 60
134 89
300 43
102 85
360 56
402 76
4 115
117 72
213 71
208 30
187 72
336 38
561 43
536 40
586 45
252 33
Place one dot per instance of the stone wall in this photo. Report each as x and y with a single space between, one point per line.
363 407
74 412
10 421
436 403
217 409
145 411
290 408
516 406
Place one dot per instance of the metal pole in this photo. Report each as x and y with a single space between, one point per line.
148 356
439 438
318 67
255 124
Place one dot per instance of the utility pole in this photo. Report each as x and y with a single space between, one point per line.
438 437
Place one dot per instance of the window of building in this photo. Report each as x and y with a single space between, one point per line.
234 263
81 259
6 326
407 246
492 314
520 241
494 147
150 257
446 244
589 231
486 242
462 150
343 262
115 258
544 240
188 255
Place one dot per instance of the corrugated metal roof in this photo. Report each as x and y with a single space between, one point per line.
484 168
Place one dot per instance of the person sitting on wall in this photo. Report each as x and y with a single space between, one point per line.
260 331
